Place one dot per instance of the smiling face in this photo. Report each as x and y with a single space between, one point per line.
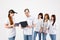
39 16
46 17
11 14
52 18
27 13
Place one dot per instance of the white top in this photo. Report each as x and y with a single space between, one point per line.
52 28
28 31
46 25
39 24
11 31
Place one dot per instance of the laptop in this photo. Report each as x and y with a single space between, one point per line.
23 24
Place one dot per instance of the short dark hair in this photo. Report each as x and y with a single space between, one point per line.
26 9
41 15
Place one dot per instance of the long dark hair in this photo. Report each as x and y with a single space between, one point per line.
41 15
53 19
47 16
10 19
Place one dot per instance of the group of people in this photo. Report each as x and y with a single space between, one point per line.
41 25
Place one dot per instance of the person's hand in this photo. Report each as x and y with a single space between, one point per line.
11 26
41 30
29 26
20 25
45 30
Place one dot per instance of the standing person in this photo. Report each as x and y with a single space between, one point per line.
39 25
28 29
45 26
10 25
52 28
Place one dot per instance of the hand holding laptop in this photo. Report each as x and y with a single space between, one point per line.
23 24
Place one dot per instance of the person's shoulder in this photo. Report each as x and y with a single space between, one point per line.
55 24
36 19
41 19
31 17
49 21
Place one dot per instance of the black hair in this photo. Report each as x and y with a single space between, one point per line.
53 19
10 18
11 11
41 15
26 9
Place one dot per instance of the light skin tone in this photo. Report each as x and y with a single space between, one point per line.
39 19
52 18
39 16
11 14
28 15
8 25
46 19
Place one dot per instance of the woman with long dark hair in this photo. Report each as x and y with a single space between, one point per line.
52 28
45 26
10 25
39 25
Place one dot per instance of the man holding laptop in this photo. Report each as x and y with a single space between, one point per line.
27 25
28 29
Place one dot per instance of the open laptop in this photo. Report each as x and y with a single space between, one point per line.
23 24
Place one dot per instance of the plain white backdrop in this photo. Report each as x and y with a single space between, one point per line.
35 7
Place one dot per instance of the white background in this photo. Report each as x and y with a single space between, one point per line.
35 6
